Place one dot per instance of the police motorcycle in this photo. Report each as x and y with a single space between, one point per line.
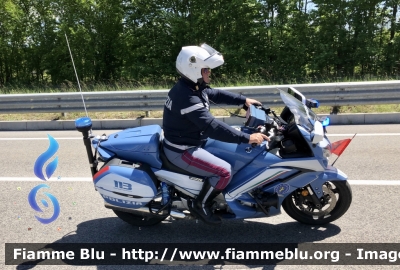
137 182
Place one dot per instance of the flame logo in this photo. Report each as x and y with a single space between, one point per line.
35 206
50 168
41 160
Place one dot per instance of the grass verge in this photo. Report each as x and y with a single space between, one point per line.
158 114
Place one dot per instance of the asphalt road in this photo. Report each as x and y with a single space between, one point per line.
372 156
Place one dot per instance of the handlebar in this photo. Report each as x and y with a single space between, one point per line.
261 129
270 123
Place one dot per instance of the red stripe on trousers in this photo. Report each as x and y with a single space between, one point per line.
208 167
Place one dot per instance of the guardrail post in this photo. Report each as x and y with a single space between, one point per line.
147 113
335 110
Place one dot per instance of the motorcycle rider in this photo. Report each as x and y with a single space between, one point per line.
187 123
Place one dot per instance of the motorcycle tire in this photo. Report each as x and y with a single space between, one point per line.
343 195
137 220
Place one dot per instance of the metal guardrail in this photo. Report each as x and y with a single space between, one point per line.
328 94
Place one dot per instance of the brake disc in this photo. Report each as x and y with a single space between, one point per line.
332 203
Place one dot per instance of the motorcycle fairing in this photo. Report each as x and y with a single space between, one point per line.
238 155
283 188
266 176
280 177
304 163
315 179
259 165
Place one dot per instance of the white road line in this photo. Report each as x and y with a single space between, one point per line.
363 134
44 138
52 179
374 182
88 179
341 135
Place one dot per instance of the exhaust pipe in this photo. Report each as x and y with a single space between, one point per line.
144 211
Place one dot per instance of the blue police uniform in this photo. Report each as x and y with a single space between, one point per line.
187 123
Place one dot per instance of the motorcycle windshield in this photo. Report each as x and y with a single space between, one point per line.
303 116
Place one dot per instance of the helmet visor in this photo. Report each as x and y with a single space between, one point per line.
209 49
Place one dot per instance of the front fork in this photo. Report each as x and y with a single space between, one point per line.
330 174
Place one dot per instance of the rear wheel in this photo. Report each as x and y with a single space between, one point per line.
138 220
335 202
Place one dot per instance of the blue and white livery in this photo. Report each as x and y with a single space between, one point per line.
142 187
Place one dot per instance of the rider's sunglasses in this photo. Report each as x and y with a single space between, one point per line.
207 70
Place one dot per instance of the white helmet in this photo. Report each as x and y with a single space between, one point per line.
192 59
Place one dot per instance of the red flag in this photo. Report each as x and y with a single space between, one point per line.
339 146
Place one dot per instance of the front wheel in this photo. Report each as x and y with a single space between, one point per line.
335 202
137 220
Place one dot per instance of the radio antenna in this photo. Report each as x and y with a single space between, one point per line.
76 74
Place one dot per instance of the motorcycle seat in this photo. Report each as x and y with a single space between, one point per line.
167 165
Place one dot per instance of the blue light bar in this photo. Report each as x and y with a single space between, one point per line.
83 122
326 122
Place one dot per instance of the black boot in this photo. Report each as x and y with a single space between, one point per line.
201 206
